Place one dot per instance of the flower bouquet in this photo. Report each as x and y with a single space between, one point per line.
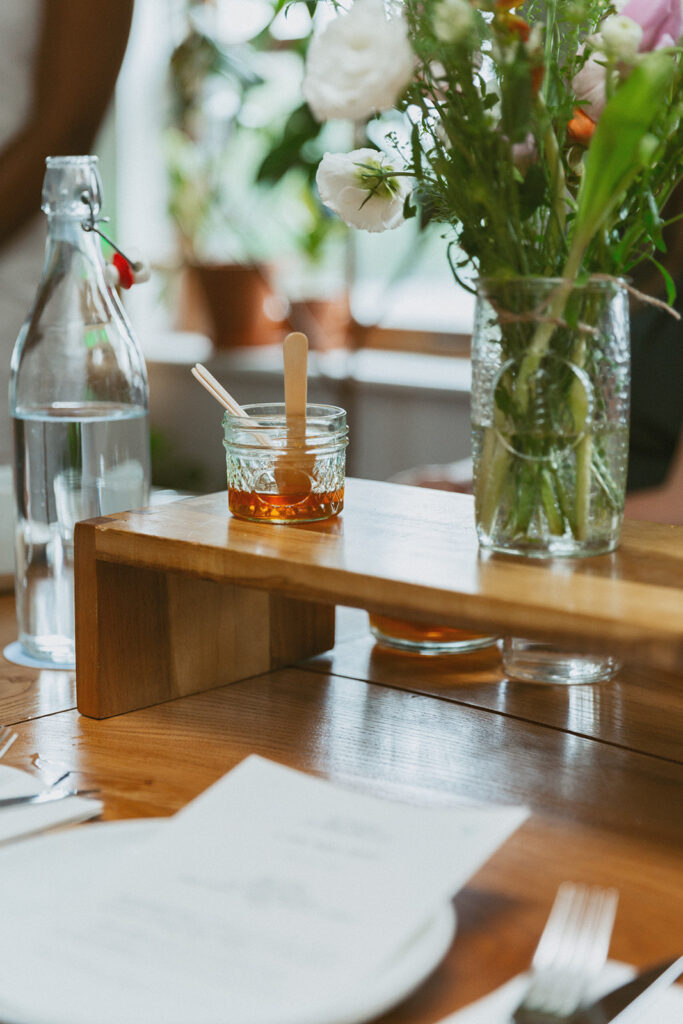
546 136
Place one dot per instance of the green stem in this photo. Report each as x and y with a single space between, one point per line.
544 332
526 494
551 506
495 459
584 459
558 184
579 406
563 501
602 475
492 470
550 54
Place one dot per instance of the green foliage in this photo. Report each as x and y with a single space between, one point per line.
195 60
623 146
215 158
293 148
493 156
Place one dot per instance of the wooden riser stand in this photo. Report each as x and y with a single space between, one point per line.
180 598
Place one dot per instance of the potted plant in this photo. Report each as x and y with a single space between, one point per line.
317 307
226 288
241 162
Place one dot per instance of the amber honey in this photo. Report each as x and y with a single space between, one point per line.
427 638
285 508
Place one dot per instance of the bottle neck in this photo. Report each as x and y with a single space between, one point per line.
70 230
69 249
73 285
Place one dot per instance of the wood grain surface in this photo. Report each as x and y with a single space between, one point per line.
145 636
630 710
24 692
599 767
413 552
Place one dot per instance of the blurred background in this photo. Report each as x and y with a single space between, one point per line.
208 159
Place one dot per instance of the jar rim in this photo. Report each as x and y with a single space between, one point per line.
273 413
592 281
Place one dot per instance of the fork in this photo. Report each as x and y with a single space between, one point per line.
571 952
7 738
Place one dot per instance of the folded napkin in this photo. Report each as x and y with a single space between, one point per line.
666 1006
26 819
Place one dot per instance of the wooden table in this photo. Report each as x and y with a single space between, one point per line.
601 768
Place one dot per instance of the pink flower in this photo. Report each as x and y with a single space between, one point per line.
660 20
524 154
590 86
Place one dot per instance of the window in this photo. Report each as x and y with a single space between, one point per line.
402 291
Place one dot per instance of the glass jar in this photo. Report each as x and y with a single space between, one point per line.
420 638
535 661
550 413
277 474
78 400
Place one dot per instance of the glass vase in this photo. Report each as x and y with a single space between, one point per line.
550 409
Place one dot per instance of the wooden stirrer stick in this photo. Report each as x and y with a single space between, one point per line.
217 391
293 475
215 388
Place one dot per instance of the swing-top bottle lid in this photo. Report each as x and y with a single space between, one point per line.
66 179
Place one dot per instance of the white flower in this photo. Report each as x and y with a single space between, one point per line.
453 20
354 186
621 37
359 64
535 40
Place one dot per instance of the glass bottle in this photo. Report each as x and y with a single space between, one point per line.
78 400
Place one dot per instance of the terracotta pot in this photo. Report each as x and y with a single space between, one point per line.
326 322
231 303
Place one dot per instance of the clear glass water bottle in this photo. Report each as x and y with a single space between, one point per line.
78 400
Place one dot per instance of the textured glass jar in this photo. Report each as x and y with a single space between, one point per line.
277 475
550 409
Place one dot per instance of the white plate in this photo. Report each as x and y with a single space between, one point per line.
81 857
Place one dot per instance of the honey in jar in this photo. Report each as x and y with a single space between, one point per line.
304 507
422 638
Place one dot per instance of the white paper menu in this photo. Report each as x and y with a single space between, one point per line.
261 902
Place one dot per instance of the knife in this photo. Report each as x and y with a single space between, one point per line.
47 797
624 1004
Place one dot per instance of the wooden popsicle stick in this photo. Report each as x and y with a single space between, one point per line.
293 473
295 351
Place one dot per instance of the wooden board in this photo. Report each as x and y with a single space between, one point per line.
397 550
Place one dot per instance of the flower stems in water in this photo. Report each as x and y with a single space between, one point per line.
546 460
